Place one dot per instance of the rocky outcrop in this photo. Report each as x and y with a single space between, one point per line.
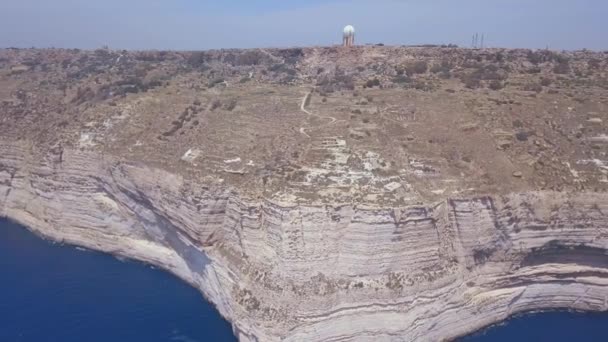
281 271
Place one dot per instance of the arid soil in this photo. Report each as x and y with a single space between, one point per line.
381 124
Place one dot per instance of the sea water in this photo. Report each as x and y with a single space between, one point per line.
51 292
555 326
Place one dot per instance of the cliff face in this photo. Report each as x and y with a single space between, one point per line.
282 271
323 194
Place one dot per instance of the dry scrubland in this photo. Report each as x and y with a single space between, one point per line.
436 121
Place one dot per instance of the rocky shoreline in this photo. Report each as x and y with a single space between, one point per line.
290 272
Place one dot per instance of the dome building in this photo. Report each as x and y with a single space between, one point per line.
349 36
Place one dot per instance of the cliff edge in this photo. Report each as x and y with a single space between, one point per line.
323 194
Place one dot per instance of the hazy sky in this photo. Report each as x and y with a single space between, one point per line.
200 24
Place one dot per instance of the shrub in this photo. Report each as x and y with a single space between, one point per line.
562 67
496 85
215 82
444 67
216 104
487 73
533 70
542 56
545 82
472 64
82 95
197 59
401 79
339 81
288 79
533 87
372 83
522 136
230 105
535 57
499 57
421 85
445 75
345 81
291 55
518 123
594 63
251 57
471 82
326 89
490 72
418 67
282 68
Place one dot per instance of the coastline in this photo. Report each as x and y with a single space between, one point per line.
121 257
471 291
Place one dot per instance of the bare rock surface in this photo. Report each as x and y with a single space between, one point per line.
323 194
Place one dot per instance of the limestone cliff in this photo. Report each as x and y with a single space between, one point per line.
280 271
379 193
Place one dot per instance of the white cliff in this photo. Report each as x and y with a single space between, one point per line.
280 271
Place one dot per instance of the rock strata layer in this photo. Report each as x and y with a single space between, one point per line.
282 271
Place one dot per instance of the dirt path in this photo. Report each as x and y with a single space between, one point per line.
305 101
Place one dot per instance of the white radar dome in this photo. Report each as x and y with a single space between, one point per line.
349 30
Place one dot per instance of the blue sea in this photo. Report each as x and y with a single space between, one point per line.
50 292
548 326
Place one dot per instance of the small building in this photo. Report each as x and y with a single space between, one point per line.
349 36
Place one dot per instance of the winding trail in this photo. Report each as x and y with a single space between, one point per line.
305 100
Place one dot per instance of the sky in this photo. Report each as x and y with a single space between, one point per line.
201 24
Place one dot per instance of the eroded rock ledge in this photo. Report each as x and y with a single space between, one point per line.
280 271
